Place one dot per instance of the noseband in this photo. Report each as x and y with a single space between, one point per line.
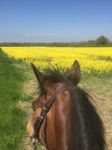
40 119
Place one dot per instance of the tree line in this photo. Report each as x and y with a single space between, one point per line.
100 41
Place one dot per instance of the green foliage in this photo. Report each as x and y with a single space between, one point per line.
102 41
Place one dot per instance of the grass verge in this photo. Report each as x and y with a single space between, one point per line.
12 119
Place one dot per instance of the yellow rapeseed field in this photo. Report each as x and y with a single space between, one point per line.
90 58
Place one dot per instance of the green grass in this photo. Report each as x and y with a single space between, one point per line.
12 119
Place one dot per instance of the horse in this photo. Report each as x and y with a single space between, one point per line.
65 117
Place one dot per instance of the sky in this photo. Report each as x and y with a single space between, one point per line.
54 20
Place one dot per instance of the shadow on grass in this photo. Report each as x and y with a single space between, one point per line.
12 119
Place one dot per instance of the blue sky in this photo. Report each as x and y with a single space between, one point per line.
54 20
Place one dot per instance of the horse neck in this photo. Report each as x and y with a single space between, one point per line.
60 123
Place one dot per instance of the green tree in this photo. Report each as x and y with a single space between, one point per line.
102 41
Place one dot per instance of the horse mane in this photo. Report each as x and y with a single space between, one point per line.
89 126
91 133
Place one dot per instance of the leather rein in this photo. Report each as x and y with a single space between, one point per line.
40 119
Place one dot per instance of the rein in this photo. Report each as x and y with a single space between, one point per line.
40 119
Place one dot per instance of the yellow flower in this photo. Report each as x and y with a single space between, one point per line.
90 58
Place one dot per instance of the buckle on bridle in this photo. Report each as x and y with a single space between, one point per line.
45 109
41 117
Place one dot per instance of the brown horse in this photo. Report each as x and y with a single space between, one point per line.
68 119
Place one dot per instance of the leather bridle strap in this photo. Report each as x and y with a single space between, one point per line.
45 109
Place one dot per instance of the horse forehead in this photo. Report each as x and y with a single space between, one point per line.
51 88
54 86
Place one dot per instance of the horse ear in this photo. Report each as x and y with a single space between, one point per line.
74 72
40 77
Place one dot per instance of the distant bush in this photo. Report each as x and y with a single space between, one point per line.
102 41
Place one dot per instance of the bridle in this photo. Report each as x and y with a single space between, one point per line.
43 114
